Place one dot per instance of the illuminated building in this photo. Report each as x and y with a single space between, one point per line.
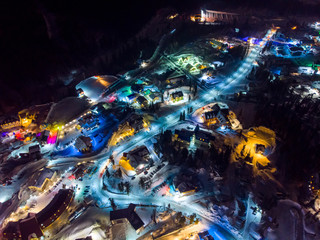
33 225
26 118
134 124
203 138
83 144
139 157
10 122
185 183
257 143
52 137
185 188
127 215
33 154
191 63
55 208
29 137
126 166
196 18
198 137
124 130
43 180
213 16
142 101
97 86
216 115
88 122
173 16
218 44
210 118
154 97
176 96
176 79
137 122
132 97
183 136
23 230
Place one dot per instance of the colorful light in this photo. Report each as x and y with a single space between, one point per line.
52 137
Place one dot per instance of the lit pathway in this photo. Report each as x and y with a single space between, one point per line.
166 122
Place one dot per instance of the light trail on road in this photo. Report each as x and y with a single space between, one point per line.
166 122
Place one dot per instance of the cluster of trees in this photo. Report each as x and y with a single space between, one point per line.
166 146
113 205
182 220
176 153
118 173
295 121
142 182
182 116
220 158
107 173
124 187
294 118
154 107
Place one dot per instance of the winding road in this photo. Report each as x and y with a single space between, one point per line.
231 84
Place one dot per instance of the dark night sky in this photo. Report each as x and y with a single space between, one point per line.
28 57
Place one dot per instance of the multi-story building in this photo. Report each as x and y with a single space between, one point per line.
10 122
127 216
32 226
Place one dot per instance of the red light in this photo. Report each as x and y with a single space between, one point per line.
18 135
111 99
72 177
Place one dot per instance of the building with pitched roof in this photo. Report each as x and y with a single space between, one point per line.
128 215
41 180
83 144
139 157
32 226
176 96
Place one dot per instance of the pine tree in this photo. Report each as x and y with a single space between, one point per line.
119 173
142 183
113 205
121 187
107 173
112 159
128 187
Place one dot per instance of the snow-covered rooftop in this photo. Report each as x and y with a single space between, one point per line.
94 86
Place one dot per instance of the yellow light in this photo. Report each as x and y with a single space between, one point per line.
144 64
173 16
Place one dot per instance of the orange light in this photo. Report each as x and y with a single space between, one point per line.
294 28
